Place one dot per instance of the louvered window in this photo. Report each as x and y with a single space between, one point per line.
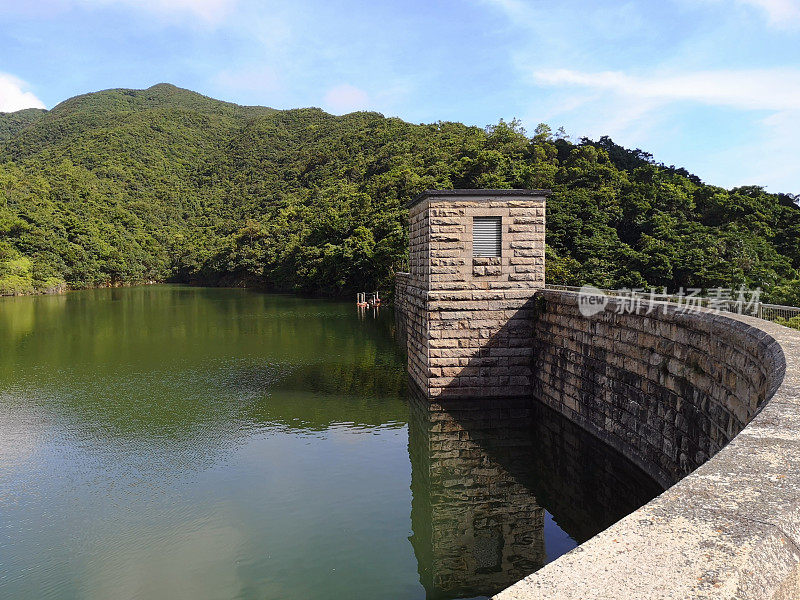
486 236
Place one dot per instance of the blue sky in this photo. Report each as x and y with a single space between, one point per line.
712 85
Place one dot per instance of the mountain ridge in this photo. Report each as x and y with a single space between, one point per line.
125 185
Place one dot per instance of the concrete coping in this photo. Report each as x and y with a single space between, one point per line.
476 194
729 530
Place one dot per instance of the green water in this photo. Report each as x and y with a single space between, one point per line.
173 442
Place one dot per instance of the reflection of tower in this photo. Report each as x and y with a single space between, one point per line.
476 527
483 473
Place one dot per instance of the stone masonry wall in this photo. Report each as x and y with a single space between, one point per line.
669 390
452 266
468 323
411 315
419 245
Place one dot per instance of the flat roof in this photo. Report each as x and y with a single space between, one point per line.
484 193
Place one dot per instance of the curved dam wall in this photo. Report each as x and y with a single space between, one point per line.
668 389
706 403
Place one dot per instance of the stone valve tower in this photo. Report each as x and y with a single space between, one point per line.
476 261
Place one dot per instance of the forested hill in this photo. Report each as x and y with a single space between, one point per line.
165 184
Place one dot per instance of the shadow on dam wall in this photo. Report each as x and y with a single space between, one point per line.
484 471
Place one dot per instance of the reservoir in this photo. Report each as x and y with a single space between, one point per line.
196 443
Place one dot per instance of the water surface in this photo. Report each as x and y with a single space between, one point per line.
173 442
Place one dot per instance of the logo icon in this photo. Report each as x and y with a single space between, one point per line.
591 301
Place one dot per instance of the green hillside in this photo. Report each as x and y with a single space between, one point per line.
126 186
12 123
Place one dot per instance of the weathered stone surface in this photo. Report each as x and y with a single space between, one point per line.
479 301
706 403
731 528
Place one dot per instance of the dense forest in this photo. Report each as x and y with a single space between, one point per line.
163 184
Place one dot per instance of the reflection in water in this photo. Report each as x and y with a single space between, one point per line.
477 528
173 442
369 312
586 485
500 487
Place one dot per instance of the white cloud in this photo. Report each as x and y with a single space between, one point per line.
754 89
208 11
636 108
781 13
345 98
13 95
